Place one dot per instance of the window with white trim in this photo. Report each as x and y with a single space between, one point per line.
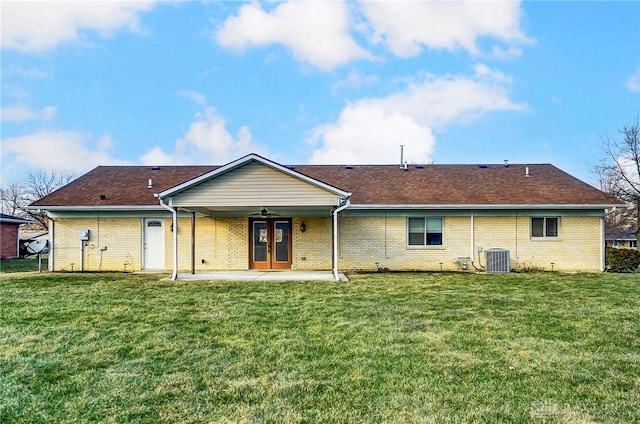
546 227
424 231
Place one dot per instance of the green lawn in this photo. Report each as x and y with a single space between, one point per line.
23 264
381 348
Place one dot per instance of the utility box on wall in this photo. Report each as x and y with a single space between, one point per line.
84 235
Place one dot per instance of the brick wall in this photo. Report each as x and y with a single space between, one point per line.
365 243
368 243
312 250
8 240
122 238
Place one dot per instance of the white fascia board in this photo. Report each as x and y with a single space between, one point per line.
118 208
246 159
532 206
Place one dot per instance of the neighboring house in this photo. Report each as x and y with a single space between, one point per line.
9 235
256 213
622 239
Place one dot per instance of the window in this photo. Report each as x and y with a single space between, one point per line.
544 227
425 231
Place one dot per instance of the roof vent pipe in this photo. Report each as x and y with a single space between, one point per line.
150 183
506 163
402 155
526 172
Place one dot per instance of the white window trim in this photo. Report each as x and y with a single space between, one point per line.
424 246
544 228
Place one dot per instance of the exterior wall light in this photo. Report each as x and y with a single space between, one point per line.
303 227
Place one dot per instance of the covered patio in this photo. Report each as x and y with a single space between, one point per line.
267 208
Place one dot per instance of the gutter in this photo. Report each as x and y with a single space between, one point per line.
174 213
336 211
488 206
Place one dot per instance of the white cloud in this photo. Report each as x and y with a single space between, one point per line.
317 32
447 100
367 134
355 80
633 82
21 114
370 130
57 150
207 141
32 27
405 27
194 96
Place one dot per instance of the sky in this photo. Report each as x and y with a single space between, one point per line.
85 84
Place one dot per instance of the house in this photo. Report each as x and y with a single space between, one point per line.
622 239
9 235
256 213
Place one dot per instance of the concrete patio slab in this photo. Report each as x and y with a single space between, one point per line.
252 275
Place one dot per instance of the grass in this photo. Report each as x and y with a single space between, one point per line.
23 264
392 348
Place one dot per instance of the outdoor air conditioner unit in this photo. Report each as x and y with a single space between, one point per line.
497 260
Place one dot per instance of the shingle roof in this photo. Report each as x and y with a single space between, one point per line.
460 185
369 184
121 186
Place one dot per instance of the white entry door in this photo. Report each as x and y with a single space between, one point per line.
153 244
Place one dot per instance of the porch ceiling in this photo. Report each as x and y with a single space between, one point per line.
257 211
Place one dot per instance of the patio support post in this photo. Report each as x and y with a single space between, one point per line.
345 205
174 213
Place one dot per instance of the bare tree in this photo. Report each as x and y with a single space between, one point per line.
16 197
12 199
619 172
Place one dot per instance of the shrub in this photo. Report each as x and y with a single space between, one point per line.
622 260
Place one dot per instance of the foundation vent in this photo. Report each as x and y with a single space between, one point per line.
497 260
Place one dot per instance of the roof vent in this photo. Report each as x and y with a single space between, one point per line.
103 197
482 166
348 167
419 166
506 163
155 168
526 172
150 185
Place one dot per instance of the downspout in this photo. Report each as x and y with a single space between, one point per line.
193 242
174 213
52 251
602 246
345 205
473 240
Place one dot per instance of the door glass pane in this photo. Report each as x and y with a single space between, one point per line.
281 238
260 238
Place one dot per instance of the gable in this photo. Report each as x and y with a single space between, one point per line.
254 184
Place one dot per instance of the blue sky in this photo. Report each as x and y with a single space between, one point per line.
87 83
